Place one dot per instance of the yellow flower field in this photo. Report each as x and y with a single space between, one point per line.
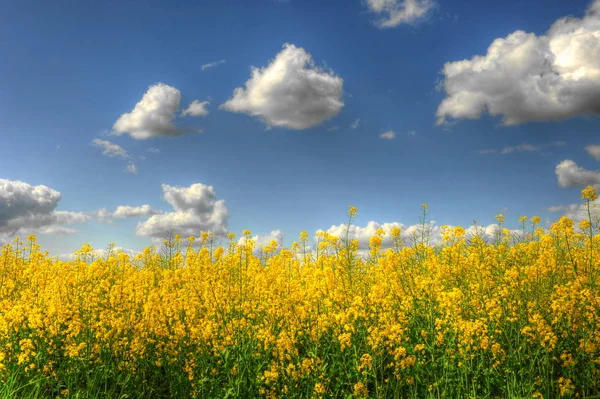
507 319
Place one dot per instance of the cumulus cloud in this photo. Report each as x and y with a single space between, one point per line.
27 209
153 115
594 151
396 12
212 64
196 108
110 149
355 124
196 209
389 135
291 92
571 175
525 77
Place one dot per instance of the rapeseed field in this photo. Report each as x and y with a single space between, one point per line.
513 317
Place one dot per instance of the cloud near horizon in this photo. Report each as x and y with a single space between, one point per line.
195 210
27 209
408 233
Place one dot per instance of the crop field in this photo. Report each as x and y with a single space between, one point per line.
469 318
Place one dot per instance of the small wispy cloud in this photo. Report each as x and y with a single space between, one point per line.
333 128
153 150
110 149
411 134
212 64
132 168
196 108
389 135
355 124
594 151
523 148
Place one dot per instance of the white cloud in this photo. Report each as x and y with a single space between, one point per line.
571 175
262 240
523 148
212 64
389 135
594 151
520 148
153 150
103 216
576 212
196 108
408 233
131 168
196 209
397 12
153 115
355 124
99 253
110 149
27 209
525 77
411 134
125 212
291 92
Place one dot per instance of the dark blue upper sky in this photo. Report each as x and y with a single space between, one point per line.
70 69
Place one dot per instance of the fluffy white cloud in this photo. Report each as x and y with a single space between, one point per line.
196 209
389 135
153 115
110 149
571 175
594 151
212 64
196 108
525 77
27 209
291 92
19 199
396 12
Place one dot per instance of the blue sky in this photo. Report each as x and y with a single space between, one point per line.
285 151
